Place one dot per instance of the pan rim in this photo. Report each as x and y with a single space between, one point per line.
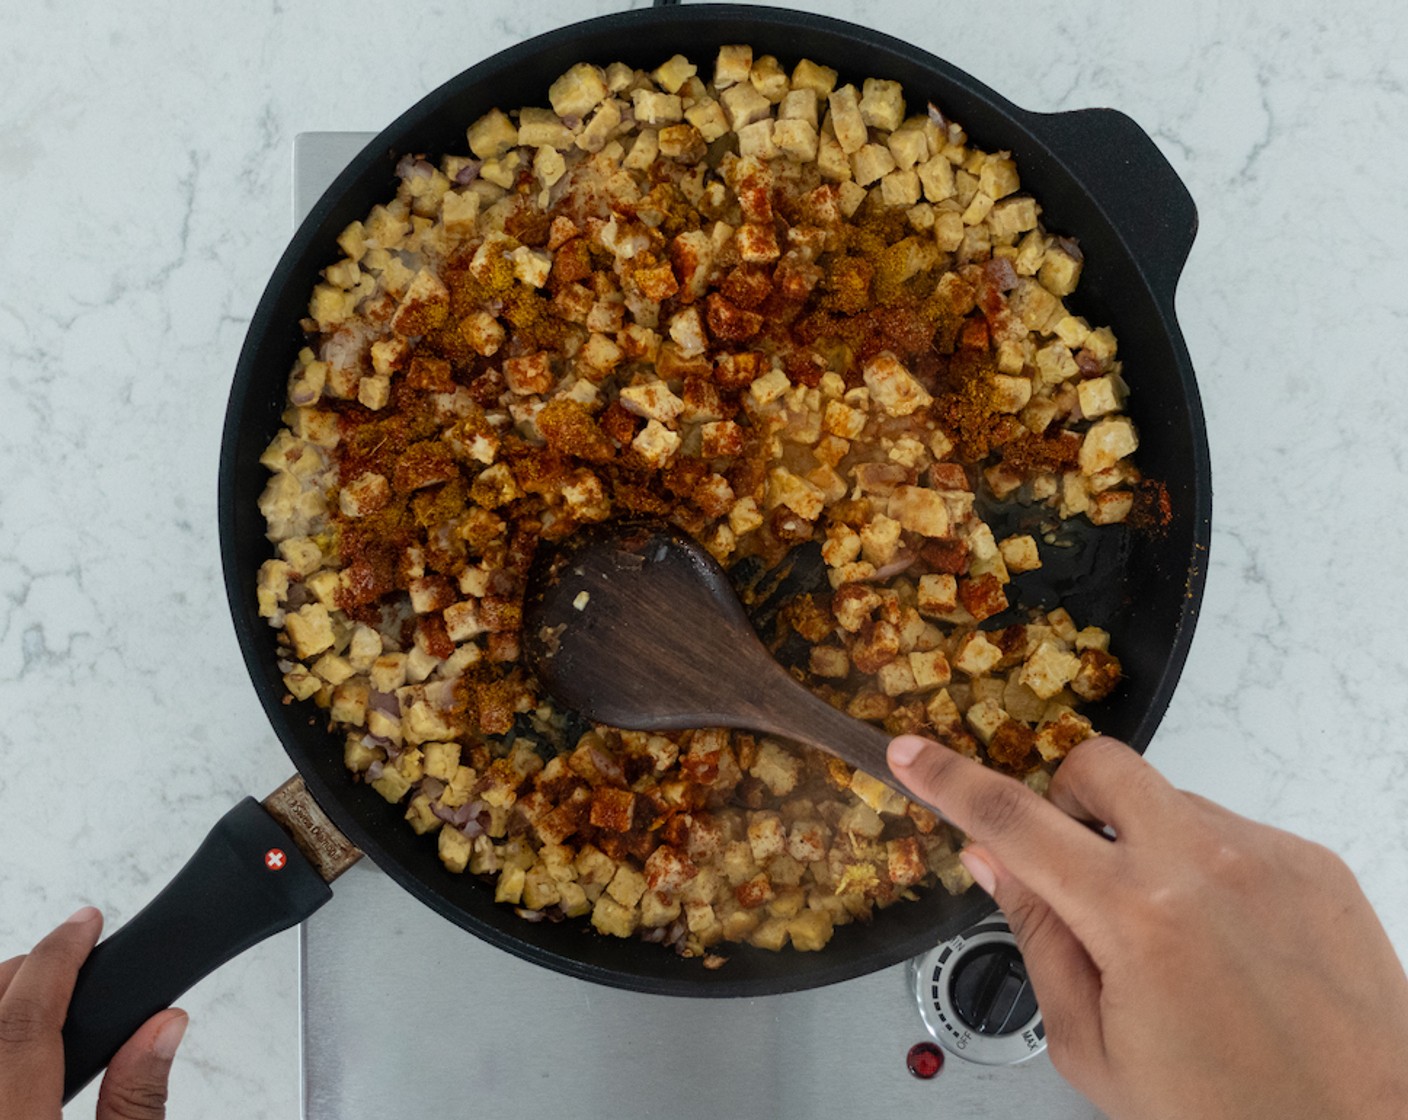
693 982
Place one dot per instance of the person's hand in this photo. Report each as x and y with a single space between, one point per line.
1199 965
34 995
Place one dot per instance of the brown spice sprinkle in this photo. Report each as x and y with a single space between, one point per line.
1152 509
592 315
1011 746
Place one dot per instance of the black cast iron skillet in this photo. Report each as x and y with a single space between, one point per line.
1098 177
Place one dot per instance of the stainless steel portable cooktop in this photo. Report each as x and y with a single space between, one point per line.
406 1015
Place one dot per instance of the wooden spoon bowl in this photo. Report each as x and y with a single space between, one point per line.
634 624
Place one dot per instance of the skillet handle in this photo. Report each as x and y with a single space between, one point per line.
234 892
1132 182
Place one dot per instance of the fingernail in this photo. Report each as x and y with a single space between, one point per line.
979 868
83 916
905 749
169 1037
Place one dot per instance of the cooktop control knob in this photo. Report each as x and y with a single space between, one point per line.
976 999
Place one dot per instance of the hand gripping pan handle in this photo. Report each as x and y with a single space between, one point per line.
247 881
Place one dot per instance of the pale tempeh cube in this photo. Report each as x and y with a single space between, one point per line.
733 65
673 74
821 80
882 105
870 162
794 138
743 105
492 135
579 91
846 120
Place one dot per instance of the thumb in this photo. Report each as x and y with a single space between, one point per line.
1064 978
134 1087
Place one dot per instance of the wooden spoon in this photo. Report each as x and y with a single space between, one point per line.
635 625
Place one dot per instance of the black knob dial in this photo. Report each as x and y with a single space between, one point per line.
990 990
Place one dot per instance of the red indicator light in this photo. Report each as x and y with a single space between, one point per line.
924 1060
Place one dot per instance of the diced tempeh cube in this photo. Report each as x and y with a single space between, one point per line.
938 594
893 387
743 105
1107 442
1049 669
733 65
579 91
656 108
1098 396
920 510
882 105
930 669
975 655
674 72
847 124
821 80
870 162
830 662
796 138
610 917
1020 553
492 135
1060 268
777 768
542 127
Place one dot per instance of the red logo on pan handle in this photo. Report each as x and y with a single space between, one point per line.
274 859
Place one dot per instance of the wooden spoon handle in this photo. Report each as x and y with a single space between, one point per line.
793 712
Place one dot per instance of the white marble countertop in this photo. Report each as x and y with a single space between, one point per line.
145 172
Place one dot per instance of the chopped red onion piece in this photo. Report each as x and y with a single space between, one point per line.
468 173
474 817
1001 274
414 167
375 769
901 563
607 766
441 694
384 702
456 815
676 933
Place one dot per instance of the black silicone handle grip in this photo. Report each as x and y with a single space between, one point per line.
245 882
1129 178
